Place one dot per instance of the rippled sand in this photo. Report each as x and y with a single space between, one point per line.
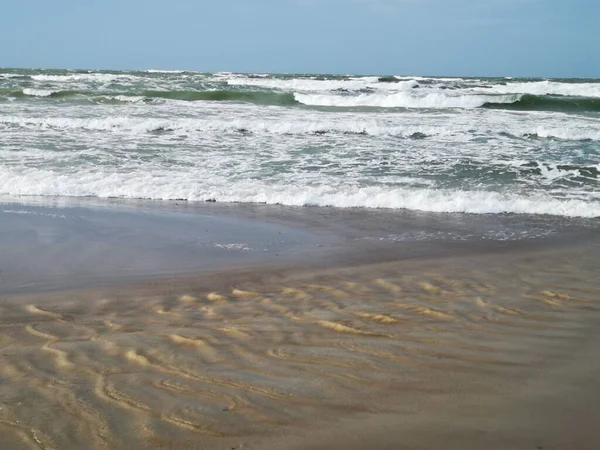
263 359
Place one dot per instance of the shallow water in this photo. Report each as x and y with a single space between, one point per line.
64 243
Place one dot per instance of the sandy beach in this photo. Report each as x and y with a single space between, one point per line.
345 329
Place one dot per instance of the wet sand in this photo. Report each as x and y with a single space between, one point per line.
81 244
458 344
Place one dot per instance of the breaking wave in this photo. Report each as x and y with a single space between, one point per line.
258 97
141 125
404 100
314 84
37 92
165 71
530 102
263 98
145 185
547 87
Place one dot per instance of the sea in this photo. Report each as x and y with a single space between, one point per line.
456 145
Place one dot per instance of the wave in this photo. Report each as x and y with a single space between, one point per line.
119 99
313 84
566 133
256 126
517 102
31 92
362 127
164 71
529 102
14 76
404 100
48 93
343 92
113 98
94 77
148 186
547 87
436 79
45 93
258 97
556 171
263 98
37 92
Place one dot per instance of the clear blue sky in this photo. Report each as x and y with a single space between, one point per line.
429 37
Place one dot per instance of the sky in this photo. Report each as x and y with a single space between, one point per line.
546 38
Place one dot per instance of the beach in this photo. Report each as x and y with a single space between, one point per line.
218 260
140 324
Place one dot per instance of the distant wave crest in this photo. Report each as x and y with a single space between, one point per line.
404 100
530 102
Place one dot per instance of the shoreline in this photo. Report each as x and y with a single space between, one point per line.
53 244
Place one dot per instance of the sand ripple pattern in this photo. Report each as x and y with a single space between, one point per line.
220 360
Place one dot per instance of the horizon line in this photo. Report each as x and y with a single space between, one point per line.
382 74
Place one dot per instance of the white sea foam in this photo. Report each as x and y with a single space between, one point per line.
548 88
126 99
156 186
164 71
441 79
235 246
92 124
553 173
102 78
38 92
570 133
308 125
404 100
280 127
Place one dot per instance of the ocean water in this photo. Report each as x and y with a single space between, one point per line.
470 145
